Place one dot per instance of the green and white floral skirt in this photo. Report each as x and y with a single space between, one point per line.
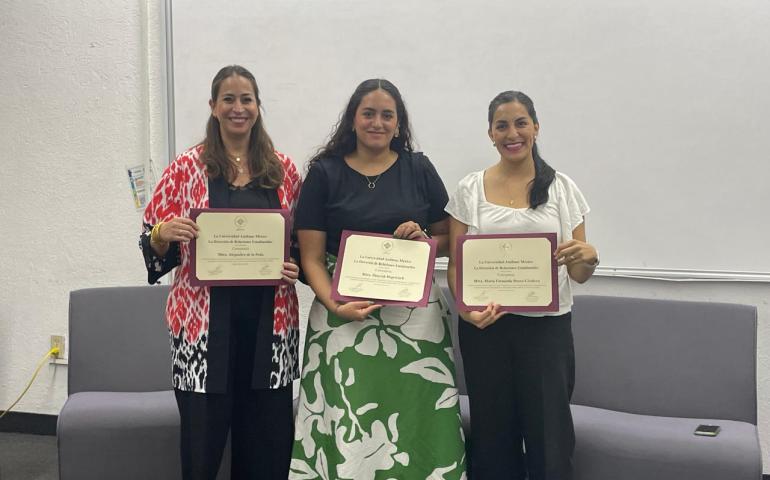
378 397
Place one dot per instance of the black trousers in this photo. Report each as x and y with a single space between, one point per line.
520 373
261 428
260 421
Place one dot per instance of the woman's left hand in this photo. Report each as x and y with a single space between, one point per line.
575 252
409 230
290 271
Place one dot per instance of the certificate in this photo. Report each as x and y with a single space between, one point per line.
239 246
517 271
387 270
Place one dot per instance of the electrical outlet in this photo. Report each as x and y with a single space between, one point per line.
58 341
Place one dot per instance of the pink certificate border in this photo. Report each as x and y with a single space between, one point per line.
195 281
552 307
340 258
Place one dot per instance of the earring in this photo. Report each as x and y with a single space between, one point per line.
395 135
494 144
353 129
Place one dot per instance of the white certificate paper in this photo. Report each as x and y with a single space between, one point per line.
517 271
387 270
239 246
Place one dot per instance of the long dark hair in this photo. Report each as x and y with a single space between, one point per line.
263 163
342 141
544 173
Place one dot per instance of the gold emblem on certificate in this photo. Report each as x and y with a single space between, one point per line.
517 271
239 246
378 267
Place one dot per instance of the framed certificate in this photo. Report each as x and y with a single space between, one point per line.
239 246
518 271
387 270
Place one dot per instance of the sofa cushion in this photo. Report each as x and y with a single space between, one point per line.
613 444
135 434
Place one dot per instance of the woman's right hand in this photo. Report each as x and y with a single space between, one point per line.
355 311
484 318
178 229
409 230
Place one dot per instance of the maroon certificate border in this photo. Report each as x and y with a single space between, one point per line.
341 256
195 281
552 307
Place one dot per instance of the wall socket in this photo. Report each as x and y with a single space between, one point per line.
58 341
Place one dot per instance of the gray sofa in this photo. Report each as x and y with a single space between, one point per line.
120 420
648 372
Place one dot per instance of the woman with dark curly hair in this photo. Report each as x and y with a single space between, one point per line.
377 396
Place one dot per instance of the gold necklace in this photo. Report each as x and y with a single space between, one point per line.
238 165
510 194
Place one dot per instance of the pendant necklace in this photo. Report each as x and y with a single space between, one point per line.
372 183
238 165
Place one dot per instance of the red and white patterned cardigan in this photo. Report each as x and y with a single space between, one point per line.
183 186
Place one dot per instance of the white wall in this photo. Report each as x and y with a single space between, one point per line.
80 98
75 111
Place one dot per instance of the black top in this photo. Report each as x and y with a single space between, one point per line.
335 197
240 318
250 196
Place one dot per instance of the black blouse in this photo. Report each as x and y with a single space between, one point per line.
241 318
335 197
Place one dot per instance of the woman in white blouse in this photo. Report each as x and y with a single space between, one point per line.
520 368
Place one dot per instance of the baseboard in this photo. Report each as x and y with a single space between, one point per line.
33 423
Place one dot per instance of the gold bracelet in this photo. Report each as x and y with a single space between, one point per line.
155 234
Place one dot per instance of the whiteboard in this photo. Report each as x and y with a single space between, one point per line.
658 110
